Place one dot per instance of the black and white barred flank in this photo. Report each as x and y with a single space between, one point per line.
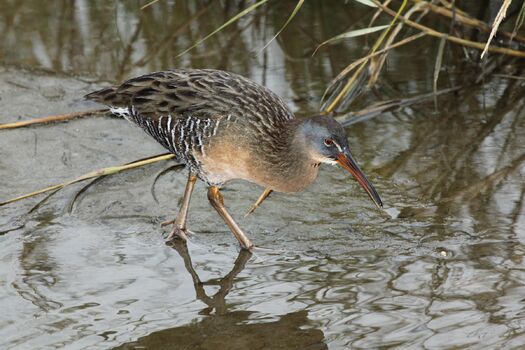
185 109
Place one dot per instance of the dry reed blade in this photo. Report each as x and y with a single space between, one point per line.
353 79
53 119
378 12
92 174
376 64
499 17
224 25
354 64
454 39
292 15
464 18
346 89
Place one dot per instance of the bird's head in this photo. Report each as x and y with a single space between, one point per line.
325 141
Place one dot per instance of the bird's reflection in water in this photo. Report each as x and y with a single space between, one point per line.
218 300
235 329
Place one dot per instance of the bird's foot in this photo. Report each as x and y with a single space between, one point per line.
248 249
181 233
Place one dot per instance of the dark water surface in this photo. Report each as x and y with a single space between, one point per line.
442 267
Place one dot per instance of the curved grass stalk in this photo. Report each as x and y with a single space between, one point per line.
159 175
80 192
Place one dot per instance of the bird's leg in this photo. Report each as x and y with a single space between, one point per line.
261 198
217 202
179 224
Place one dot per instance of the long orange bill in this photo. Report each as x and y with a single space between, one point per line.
346 161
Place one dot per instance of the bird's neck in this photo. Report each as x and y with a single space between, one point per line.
292 159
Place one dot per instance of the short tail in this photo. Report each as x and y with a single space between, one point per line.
109 97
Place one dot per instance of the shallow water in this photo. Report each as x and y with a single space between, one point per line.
442 267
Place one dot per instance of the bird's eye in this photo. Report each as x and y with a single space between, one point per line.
328 142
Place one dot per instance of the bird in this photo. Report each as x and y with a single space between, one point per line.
224 127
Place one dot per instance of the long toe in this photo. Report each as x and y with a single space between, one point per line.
255 248
166 223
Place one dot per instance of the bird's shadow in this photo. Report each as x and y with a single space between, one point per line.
217 301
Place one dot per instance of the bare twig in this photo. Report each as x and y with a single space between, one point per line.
54 119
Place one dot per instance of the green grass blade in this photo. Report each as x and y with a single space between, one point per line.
519 20
294 12
350 34
224 25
